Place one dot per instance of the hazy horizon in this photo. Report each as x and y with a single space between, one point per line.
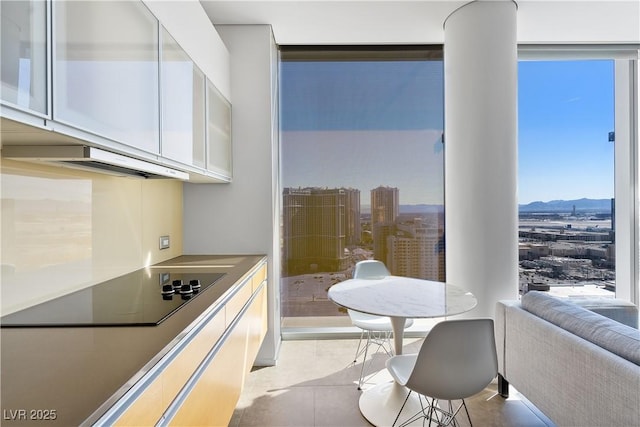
366 124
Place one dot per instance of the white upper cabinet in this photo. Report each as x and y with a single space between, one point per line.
24 55
140 78
105 70
218 133
183 105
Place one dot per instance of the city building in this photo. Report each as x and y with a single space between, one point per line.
352 212
414 251
385 208
318 225
385 204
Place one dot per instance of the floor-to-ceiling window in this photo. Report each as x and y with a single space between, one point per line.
361 170
566 175
576 169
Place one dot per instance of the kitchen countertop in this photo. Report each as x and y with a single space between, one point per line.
69 373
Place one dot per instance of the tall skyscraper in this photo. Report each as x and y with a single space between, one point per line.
385 209
354 228
317 225
385 205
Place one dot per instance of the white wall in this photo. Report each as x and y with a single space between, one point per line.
243 217
572 21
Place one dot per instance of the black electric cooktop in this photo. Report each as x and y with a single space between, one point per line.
143 298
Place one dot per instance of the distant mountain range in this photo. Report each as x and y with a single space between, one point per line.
581 205
421 209
553 206
410 209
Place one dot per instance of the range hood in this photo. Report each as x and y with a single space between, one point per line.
90 158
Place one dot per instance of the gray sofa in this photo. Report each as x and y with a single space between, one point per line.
577 366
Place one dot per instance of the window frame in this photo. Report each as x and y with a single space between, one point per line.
627 155
322 53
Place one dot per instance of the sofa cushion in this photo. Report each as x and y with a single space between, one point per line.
613 336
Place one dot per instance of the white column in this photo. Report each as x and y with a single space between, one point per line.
480 60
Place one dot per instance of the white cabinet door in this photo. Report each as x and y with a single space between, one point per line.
105 60
24 54
218 132
183 105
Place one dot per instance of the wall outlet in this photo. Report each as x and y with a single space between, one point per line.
164 242
164 279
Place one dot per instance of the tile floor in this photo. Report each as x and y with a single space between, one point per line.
315 384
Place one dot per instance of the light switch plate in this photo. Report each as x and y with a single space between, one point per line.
164 242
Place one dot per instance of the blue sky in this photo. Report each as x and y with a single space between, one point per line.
565 112
362 125
387 95
365 124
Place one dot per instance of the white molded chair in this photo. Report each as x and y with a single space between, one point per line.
456 360
376 329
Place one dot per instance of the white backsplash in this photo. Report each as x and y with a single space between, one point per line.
65 229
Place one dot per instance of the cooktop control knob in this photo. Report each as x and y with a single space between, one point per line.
167 291
186 291
177 283
195 285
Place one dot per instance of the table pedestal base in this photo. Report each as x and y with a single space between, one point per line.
380 404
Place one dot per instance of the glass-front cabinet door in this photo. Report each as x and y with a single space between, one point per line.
105 73
183 105
218 132
24 54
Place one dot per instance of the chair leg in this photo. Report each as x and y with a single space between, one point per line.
467 411
448 415
401 408
432 411
355 358
425 413
364 360
379 338
383 340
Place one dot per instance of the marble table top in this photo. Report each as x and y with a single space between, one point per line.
397 296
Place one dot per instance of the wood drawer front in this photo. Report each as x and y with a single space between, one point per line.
257 317
146 410
213 398
184 365
259 277
154 400
235 304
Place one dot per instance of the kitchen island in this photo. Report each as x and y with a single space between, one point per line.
77 375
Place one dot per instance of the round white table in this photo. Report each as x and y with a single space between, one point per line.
399 298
